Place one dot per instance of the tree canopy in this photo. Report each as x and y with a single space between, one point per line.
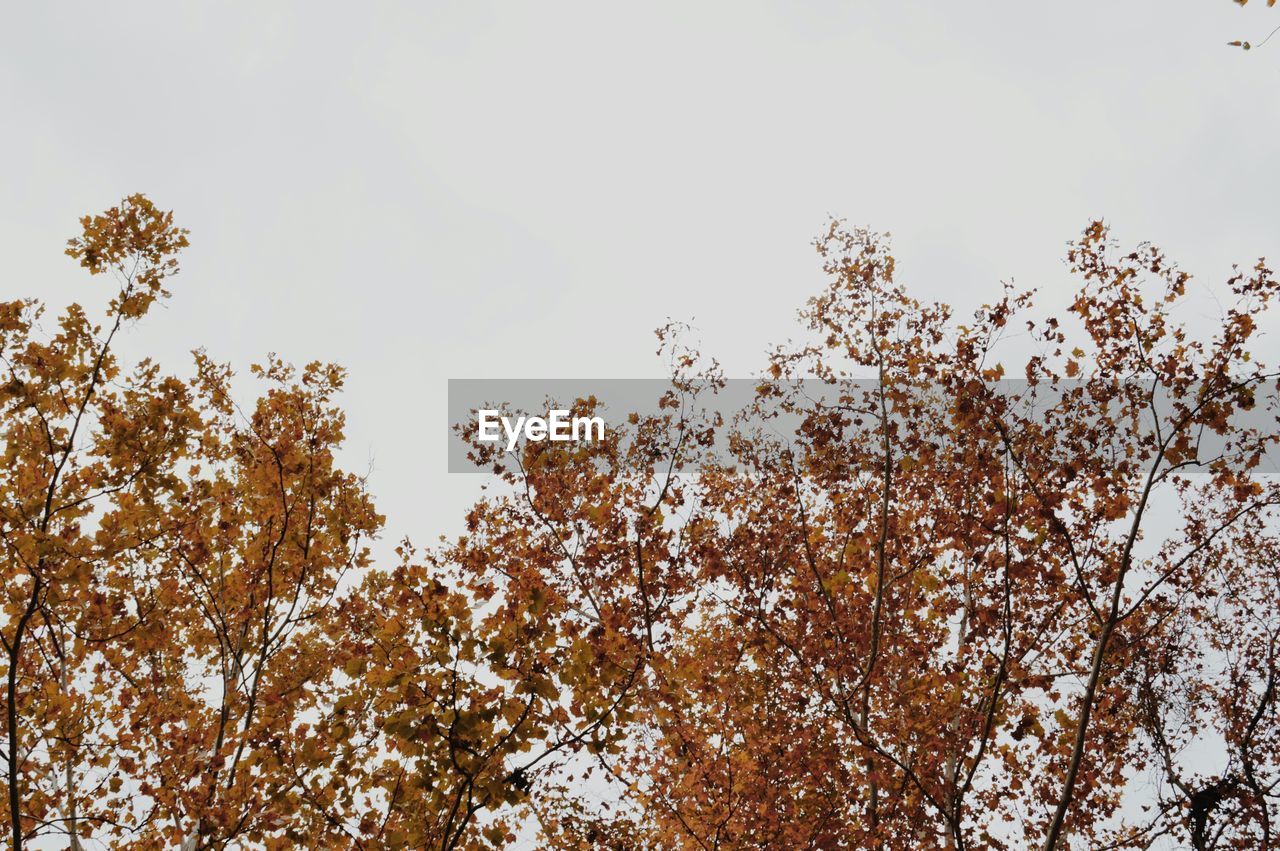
940 614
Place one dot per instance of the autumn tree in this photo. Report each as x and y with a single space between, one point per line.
91 447
266 536
487 673
198 651
172 565
956 606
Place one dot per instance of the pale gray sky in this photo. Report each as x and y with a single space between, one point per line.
431 190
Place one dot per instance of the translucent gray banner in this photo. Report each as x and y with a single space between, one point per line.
502 416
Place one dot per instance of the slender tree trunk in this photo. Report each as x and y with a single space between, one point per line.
1099 655
1082 726
11 714
11 724
69 776
886 495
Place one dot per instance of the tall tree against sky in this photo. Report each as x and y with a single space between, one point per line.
91 448
954 613
196 652
173 569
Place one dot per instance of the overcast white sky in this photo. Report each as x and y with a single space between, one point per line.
427 190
